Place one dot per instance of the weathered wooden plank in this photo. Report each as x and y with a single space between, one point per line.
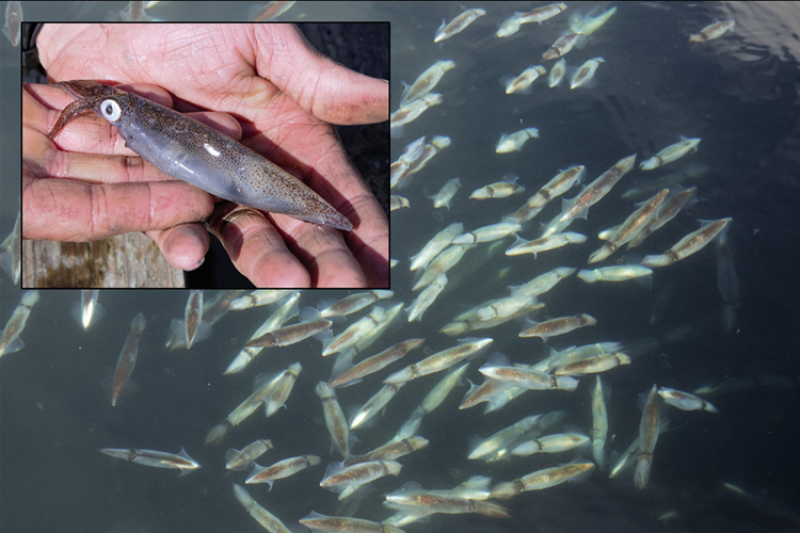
129 260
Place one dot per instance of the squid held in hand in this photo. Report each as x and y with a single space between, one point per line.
188 150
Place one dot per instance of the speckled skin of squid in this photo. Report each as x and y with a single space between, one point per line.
188 150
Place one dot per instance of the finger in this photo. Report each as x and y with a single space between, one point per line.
70 210
92 168
256 248
327 258
329 91
369 240
184 246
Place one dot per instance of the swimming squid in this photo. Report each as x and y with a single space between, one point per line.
188 150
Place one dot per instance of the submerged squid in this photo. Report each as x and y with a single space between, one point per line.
188 150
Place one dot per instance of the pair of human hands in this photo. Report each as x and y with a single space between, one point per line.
87 186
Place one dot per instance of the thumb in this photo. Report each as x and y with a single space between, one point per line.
329 91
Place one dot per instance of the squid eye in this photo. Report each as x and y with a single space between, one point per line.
111 110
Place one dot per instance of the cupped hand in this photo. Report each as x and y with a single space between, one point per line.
285 94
